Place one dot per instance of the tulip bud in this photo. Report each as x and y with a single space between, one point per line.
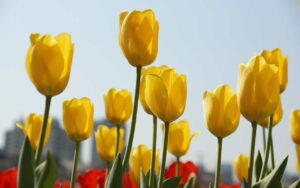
138 36
140 159
240 166
277 116
78 118
179 138
106 142
118 106
258 93
146 71
221 112
32 129
48 62
295 126
275 57
166 95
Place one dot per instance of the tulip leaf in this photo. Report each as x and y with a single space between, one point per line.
296 184
26 166
273 180
210 185
115 175
171 182
144 179
46 173
244 183
258 166
190 183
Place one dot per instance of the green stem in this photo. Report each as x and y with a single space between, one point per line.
43 131
164 155
272 153
177 166
218 170
265 164
152 170
133 121
264 137
117 141
252 151
75 162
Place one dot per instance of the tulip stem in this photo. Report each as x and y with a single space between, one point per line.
43 131
177 166
117 141
133 121
152 170
252 151
264 137
265 164
164 155
75 162
272 152
218 170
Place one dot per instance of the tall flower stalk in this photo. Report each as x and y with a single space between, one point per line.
252 151
164 155
152 169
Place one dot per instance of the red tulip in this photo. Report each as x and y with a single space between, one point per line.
92 179
62 184
187 170
127 182
229 186
8 178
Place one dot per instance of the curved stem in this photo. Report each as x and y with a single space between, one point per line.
177 166
264 137
152 170
75 162
272 153
43 131
117 141
164 155
252 151
133 121
265 164
218 170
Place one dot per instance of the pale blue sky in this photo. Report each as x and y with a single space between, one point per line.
204 39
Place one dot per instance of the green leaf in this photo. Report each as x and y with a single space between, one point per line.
210 185
115 176
244 183
258 166
46 173
145 179
171 182
296 184
190 183
273 180
26 166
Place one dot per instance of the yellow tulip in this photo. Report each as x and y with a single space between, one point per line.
32 129
151 70
140 159
106 142
179 138
258 93
118 106
221 112
138 36
276 57
78 118
240 166
48 62
166 94
277 116
295 126
298 158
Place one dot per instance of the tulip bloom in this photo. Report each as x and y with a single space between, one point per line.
240 166
78 118
258 93
138 36
295 126
32 129
48 62
147 71
180 138
166 95
118 106
276 57
106 142
221 112
187 170
62 184
8 178
140 159
92 178
277 116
